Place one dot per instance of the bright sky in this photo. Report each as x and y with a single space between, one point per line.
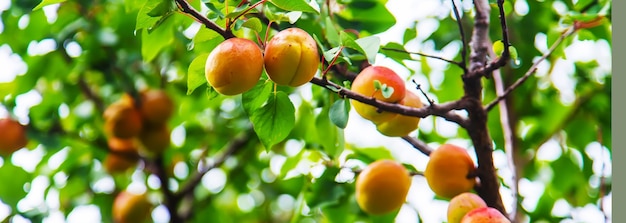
420 197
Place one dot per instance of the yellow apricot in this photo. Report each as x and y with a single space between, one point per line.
448 169
382 187
291 57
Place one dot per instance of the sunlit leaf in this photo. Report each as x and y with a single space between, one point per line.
274 120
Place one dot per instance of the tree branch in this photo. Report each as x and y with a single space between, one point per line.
419 145
531 70
232 148
480 37
441 110
460 64
186 8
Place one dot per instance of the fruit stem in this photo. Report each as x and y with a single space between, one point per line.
332 62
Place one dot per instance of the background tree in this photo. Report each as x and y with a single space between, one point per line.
535 116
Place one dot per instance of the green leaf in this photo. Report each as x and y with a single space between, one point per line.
387 91
325 191
369 16
12 191
513 52
396 52
339 113
145 21
332 53
153 42
378 85
273 122
44 3
161 9
409 34
211 92
195 73
253 24
329 135
256 97
370 46
332 35
348 41
294 5
370 154
498 47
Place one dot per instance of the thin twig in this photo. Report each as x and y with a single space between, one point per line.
419 145
531 70
424 55
244 12
186 8
419 87
232 148
462 32
442 110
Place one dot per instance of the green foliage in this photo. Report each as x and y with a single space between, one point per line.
296 150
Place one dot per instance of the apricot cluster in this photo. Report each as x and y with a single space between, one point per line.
382 187
382 83
470 208
235 66
12 136
137 127
131 208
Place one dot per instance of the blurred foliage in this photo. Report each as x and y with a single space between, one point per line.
294 170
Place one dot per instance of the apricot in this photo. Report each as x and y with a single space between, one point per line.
402 125
462 204
122 119
382 187
448 169
131 208
369 82
291 57
485 215
234 66
124 155
155 140
156 107
12 136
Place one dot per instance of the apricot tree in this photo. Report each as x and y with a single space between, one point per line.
262 110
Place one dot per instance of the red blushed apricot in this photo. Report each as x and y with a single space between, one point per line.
365 84
291 57
234 66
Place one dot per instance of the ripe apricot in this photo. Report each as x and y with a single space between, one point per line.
485 215
402 125
366 83
448 169
462 204
156 107
155 140
122 119
131 208
124 155
12 136
291 57
382 187
234 66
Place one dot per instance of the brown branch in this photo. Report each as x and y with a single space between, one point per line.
232 148
442 110
171 200
462 32
480 37
186 8
506 55
460 64
419 145
531 70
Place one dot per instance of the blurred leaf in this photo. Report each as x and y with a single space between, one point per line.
359 15
339 113
253 24
274 120
46 3
325 191
12 191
